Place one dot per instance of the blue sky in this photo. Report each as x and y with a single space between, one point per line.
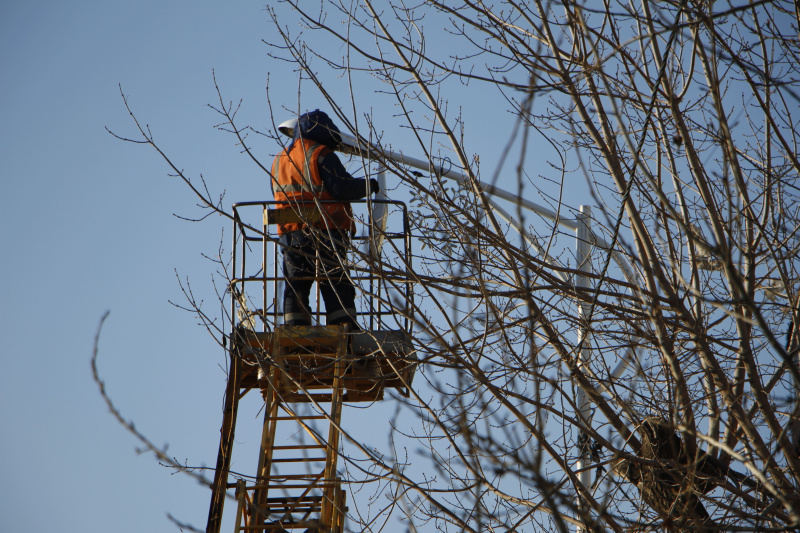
88 227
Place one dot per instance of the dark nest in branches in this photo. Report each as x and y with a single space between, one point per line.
671 479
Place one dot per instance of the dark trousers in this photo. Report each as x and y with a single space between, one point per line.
310 254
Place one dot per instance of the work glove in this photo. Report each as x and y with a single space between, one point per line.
374 188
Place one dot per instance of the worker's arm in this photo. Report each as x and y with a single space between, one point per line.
339 183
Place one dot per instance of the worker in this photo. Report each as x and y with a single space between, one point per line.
308 173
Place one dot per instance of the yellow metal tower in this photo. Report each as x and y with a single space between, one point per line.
305 374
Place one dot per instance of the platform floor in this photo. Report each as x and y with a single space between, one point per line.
305 357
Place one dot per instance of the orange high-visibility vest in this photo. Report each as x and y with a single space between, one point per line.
297 183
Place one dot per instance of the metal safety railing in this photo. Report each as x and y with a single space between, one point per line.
378 261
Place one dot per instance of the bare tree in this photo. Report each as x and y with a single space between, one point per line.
650 382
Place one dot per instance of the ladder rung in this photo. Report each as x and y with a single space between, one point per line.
288 508
283 512
300 460
300 447
281 526
281 486
312 417
289 499
310 477
290 505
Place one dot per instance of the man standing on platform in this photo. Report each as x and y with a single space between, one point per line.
309 174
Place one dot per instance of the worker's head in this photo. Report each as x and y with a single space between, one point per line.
318 127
